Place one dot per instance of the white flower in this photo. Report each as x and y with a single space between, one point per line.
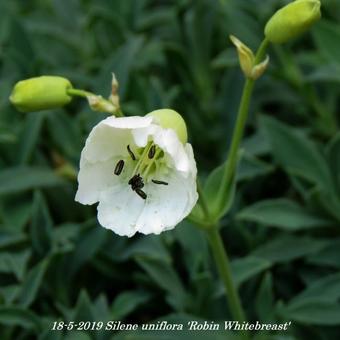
141 174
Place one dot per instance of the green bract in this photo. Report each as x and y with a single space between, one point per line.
292 20
170 119
41 93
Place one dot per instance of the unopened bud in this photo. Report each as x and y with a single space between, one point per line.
41 93
259 69
99 104
292 20
247 60
114 97
245 55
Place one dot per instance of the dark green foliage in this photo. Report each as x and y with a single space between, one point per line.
282 233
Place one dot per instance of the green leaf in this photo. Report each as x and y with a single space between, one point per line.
19 316
328 256
251 167
30 286
327 36
287 248
245 268
218 205
326 289
333 155
30 136
19 179
296 153
127 302
41 225
264 301
282 213
312 311
14 263
166 278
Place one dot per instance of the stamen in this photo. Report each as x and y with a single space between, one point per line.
136 182
141 193
159 182
131 153
152 151
119 167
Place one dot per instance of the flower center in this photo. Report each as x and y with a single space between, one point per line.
148 162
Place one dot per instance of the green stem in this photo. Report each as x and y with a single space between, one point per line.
78 93
84 94
219 252
223 264
242 116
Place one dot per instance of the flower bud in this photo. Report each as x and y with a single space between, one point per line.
170 119
99 104
41 93
245 55
247 60
292 20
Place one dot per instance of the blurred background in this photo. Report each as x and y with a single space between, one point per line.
283 235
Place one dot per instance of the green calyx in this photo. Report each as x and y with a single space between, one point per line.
170 119
292 20
41 93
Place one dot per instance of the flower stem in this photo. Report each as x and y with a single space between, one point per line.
219 252
223 265
242 116
78 93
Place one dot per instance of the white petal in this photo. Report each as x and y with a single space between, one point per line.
111 136
167 140
141 136
167 205
119 209
93 178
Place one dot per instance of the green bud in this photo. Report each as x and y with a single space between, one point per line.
247 60
170 119
99 104
40 93
292 20
245 55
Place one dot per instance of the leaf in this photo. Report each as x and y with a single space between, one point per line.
19 179
287 248
30 286
327 35
127 302
30 136
41 225
264 301
313 311
19 316
251 167
89 243
218 205
282 213
166 278
14 263
296 153
328 256
333 155
245 268
326 289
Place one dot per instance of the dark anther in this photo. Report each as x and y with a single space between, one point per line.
159 182
136 182
131 153
119 167
141 193
152 151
